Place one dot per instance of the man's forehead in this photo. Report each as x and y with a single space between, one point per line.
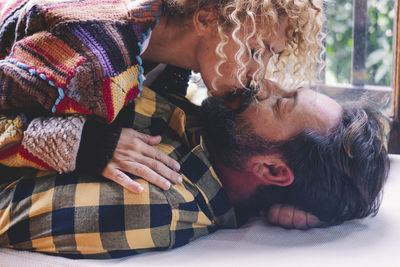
323 113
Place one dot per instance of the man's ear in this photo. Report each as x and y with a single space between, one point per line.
271 170
204 21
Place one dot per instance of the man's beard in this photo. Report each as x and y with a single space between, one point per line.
220 127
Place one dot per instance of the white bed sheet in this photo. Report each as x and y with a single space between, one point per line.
368 242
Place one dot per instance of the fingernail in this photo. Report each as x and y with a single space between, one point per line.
140 189
177 167
180 179
167 185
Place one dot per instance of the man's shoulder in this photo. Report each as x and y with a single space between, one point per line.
160 113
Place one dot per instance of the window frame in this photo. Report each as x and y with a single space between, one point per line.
394 141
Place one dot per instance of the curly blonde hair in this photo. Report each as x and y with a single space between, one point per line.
301 60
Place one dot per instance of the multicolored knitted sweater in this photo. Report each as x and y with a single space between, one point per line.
76 57
80 57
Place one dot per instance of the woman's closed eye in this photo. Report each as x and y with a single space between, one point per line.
255 54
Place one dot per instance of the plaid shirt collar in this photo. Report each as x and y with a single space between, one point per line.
196 166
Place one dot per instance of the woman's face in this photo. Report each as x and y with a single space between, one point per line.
229 82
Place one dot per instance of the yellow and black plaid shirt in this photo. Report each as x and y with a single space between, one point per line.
86 217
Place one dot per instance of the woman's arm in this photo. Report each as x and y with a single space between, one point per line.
75 143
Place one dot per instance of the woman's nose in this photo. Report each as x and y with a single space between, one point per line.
257 69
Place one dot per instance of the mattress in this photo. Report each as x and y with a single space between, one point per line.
367 242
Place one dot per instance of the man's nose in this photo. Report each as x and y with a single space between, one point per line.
270 88
273 87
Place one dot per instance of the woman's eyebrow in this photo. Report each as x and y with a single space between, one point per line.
272 49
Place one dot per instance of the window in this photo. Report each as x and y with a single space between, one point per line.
359 42
359 53
359 57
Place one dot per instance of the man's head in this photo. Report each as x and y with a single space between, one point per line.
301 149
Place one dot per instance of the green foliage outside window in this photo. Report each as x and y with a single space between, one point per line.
339 41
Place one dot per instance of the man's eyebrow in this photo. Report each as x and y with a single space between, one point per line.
293 95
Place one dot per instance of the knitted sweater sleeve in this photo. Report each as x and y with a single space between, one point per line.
74 57
60 143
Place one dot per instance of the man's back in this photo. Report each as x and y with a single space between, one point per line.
91 217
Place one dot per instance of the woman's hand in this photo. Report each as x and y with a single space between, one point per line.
291 217
134 154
